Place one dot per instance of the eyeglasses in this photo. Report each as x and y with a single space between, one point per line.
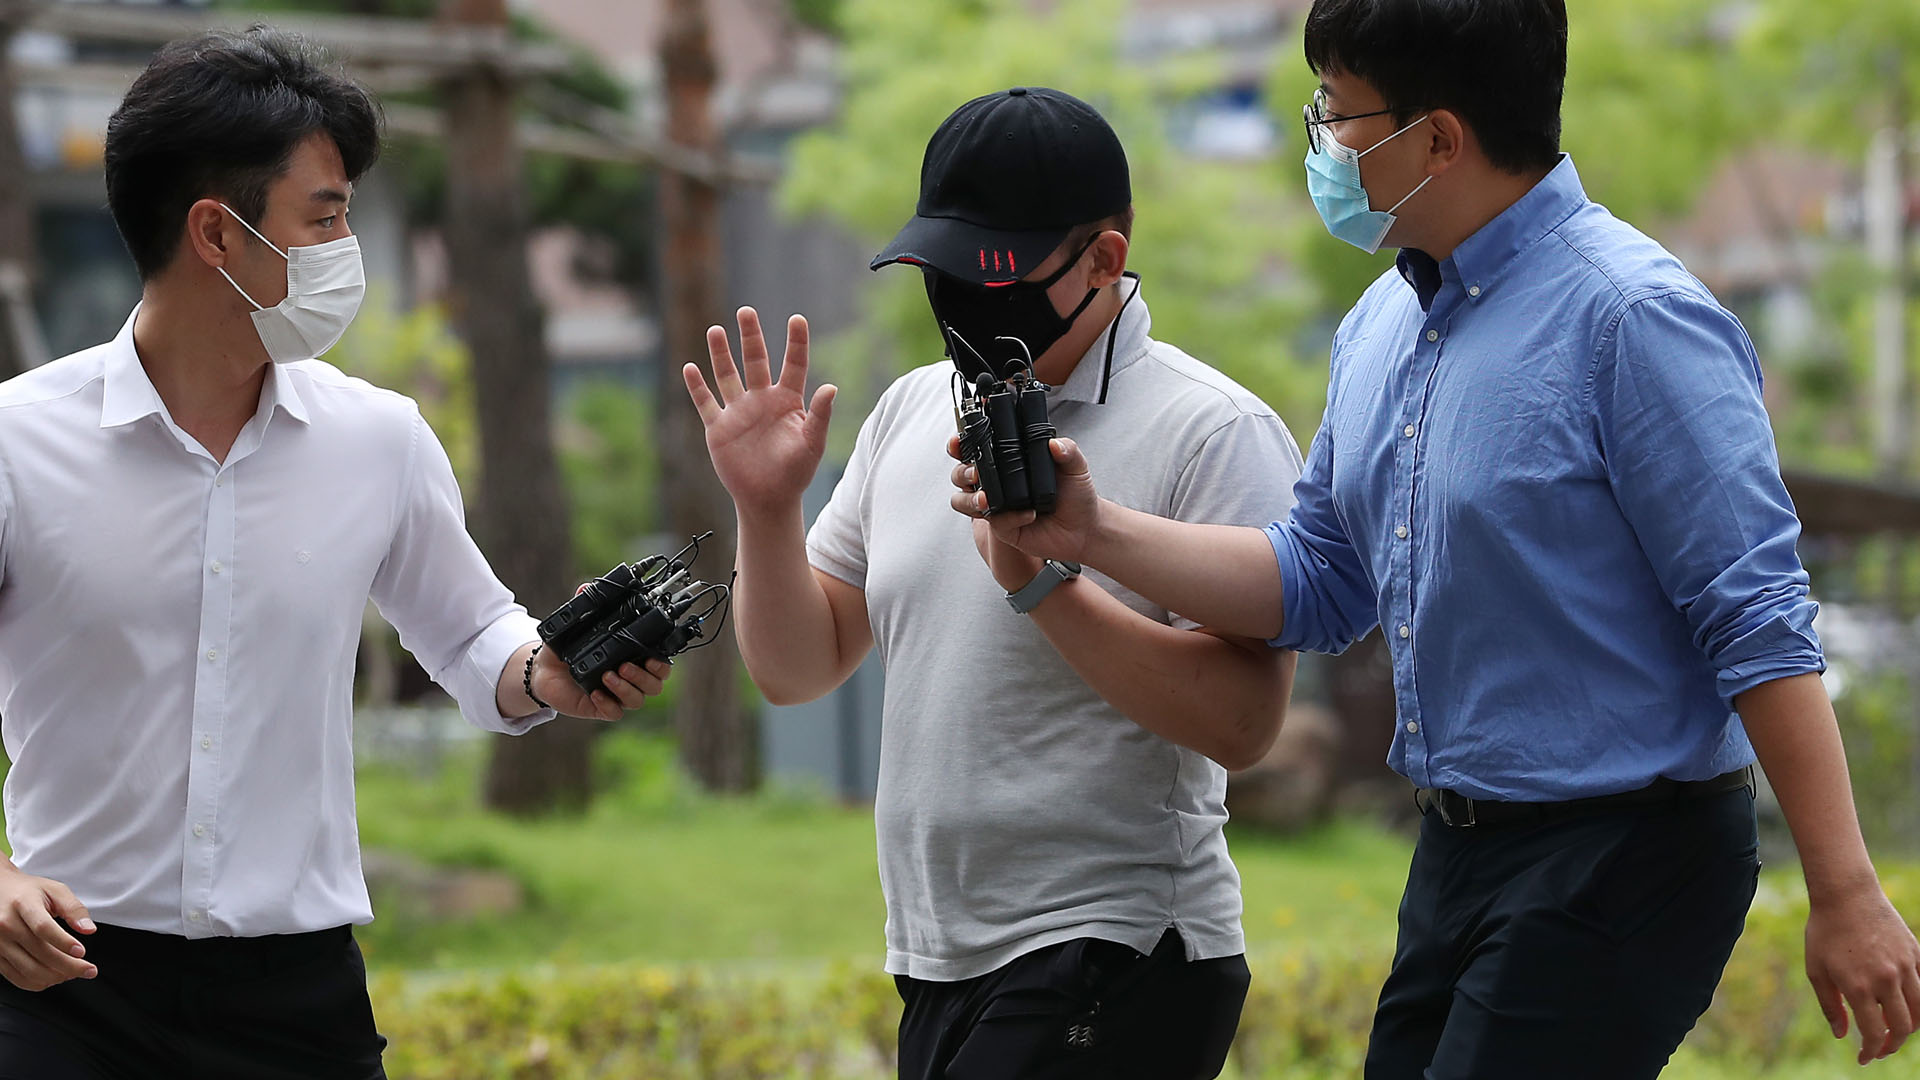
1314 114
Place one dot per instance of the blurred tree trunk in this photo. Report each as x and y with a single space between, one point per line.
521 520
719 738
16 210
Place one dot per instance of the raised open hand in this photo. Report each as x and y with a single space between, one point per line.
764 437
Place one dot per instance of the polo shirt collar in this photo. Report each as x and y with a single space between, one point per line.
1126 335
128 394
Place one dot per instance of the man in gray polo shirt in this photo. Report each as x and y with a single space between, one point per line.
1060 900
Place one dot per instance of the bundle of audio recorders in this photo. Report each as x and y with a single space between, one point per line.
650 610
1004 430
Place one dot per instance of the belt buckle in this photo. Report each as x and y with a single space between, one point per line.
1446 815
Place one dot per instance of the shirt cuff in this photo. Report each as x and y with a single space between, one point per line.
1293 620
486 662
1778 649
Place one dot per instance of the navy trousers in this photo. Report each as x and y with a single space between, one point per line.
1580 948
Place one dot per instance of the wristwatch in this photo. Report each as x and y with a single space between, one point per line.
1052 573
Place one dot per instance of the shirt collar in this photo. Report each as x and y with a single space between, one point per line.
129 394
1482 258
1126 336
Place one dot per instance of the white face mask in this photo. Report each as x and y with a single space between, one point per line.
325 283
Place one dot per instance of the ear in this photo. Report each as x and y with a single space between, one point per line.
1109 259
211 233
1447 141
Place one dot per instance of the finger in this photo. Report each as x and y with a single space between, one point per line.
703 399
605 707
54 958
21 970
953 447
793 363
963 502
48 932
629 695
659 669
1068 458
67 906
755 364
1910 994
964 477
642 679
1007 526
35 975
1872 1023
1831 1005
820 413
1893 1005
726 377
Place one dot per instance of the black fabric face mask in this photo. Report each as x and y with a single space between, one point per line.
978 314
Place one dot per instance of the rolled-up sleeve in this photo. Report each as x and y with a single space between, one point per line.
436 588
1328 601
1690 456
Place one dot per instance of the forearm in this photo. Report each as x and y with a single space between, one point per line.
1791 724
1223 698
783 618
1221 576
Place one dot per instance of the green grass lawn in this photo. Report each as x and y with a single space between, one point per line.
657 874
783 887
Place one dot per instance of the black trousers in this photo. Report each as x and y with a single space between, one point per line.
288 1007
1082 1010
1582 947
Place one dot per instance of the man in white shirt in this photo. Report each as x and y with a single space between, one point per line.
1060 900
192 519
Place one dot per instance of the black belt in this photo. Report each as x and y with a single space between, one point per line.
1459 811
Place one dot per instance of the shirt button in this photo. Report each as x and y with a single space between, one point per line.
1405 632
217 567
1407 431
199 830
206 742
219 481
1413 727
213 654
196 915
1473 290
1433 335
1400 531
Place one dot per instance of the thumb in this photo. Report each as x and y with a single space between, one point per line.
820 413
62 902
1069 459
1831 1003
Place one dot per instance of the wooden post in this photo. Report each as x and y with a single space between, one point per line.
719 739
521 517
16 213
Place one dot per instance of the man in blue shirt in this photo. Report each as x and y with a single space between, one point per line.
1545 471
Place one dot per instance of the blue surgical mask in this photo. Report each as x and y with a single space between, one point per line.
1333 180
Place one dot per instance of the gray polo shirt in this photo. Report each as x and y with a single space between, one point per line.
1016 808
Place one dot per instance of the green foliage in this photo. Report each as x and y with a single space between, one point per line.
1307 1015
417 354
611 464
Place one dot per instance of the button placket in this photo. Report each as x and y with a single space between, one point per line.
1426 357
210 691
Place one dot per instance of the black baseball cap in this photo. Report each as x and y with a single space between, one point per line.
1006 177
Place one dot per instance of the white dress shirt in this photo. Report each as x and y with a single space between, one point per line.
177 636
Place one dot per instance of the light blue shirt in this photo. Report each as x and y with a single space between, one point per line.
1546 472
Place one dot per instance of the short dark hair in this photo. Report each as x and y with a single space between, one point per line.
1500 64
220 115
